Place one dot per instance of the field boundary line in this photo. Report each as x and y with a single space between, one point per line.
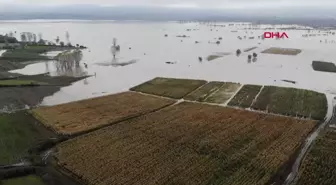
213 92
207 82
227 102
255 98
154 95
127 118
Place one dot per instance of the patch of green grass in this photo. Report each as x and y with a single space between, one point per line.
324 66
292 102
22 55
17 82
244 98
17 135
202 93
29 180
224 93
213 57
169 87
282 51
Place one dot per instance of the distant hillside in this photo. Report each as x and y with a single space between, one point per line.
302 15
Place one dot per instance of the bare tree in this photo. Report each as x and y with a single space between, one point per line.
68 63
67 36
40 36
29 36
11 34
23 37
34 38
57 39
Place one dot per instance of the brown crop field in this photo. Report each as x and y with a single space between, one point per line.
189 144
244 98
223 94
203 92
292 102
319 166
93 113
169 87
282 51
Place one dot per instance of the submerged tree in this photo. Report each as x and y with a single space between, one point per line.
40 36
23 37
68 63
57 39
67 36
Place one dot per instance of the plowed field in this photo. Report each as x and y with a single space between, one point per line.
186 144
93 113
319 166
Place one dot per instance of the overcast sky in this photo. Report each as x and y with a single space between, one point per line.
184 3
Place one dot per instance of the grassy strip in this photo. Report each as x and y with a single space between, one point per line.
292 102
10 83
23 55
202 93
282 51
213 57
244 98
250 49
18 132
224 93
319 166
169 87
324 66
28 180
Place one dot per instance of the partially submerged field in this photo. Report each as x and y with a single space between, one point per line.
292 102
18 93
85 115
319 166
18 133
282 51
324 66
188 143
169 87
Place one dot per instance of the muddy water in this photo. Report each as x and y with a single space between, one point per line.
145 42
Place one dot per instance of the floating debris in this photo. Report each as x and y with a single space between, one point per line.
170 62
289 81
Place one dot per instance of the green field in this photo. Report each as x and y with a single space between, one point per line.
244 98
324 66
29 180
17 135
18 82
319 166
30 53
213 57
169 87
22 55
292 102
224 93
204 92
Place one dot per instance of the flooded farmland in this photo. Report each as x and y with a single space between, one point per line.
190 51
152 45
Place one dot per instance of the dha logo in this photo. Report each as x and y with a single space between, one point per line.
278 35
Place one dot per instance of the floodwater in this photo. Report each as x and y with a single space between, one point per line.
145 44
